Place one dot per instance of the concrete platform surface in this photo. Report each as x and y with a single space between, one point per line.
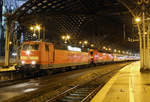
11 68
128 85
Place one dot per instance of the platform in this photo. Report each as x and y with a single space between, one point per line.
11 68
128 85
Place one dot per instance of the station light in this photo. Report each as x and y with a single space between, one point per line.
10 42
109 49
92 45
37 27
67 37
34 28
31 28
80 42
85 42
63 37
137 19
115 50
104 47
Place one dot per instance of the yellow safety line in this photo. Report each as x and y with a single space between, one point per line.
131 86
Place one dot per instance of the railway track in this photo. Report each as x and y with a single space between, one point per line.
77 86
14 77
83 93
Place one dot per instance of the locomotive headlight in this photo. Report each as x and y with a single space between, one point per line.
23 62
28 52
33 62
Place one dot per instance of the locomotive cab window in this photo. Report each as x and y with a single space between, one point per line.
25 47
30 47
46 47
35 47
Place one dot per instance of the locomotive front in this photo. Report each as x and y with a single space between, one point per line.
30 55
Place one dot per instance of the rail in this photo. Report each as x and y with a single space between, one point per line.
82 93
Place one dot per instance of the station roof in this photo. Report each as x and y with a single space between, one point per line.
97 18
74 7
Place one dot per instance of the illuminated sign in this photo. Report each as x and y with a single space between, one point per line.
70 48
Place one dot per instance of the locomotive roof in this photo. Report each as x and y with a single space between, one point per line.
26 42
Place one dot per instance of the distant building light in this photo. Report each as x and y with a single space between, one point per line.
70 48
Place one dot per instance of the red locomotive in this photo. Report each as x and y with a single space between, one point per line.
43 55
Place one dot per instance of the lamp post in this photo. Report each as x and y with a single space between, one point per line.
143 31
38 28
83 43
34 28
66 38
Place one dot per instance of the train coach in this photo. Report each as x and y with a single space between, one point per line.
100 57
43 55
